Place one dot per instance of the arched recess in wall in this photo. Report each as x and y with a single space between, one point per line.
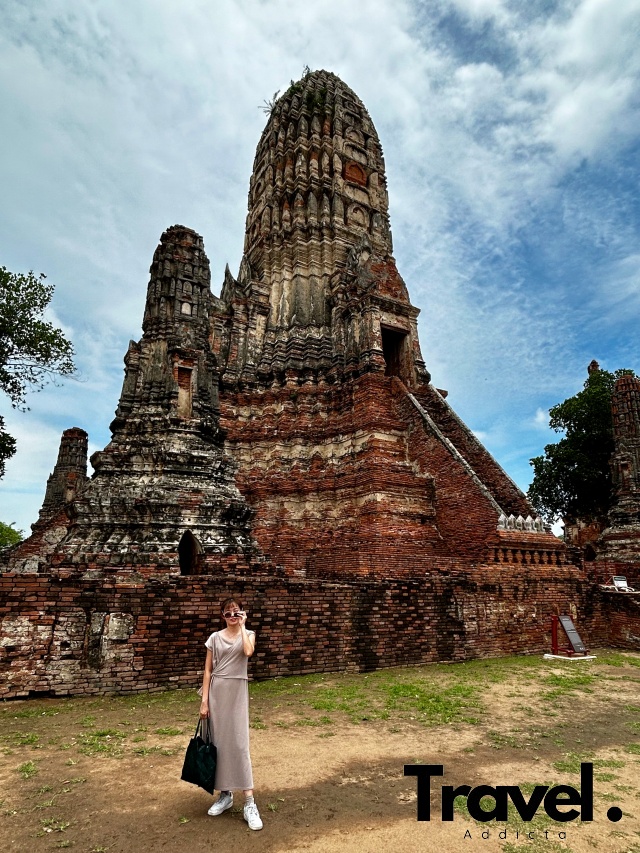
395 344
190 554
355 173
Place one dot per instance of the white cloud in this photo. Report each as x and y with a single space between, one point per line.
482 10
541 419
622 294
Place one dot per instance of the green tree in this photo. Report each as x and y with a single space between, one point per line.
7 446
9 535
572 480
32 350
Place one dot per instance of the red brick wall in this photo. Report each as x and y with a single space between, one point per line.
623 619
65 636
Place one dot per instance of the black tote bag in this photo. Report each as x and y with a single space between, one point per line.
199 766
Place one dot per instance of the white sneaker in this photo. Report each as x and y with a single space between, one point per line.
224 802
252 816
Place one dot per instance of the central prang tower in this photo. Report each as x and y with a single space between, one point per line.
318 294
352 461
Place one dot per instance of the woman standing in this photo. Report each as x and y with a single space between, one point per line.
225 700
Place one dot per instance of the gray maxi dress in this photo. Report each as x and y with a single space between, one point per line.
229 712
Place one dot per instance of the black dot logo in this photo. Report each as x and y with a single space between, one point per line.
614 814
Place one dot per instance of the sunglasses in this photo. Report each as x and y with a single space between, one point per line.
232 615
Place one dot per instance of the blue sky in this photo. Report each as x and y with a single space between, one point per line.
511 134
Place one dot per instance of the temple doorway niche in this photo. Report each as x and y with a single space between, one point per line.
184 392
190 554
394 350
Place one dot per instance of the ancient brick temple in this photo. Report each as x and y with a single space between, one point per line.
620 541
352 460
163 495
284 442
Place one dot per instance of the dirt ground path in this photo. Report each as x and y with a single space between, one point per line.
102 774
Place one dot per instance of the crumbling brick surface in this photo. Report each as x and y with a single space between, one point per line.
66 636
622 612
352 479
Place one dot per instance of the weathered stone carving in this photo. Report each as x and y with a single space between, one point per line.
529 523
163 496
69 475
621 539
65 483
313 201
164 474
